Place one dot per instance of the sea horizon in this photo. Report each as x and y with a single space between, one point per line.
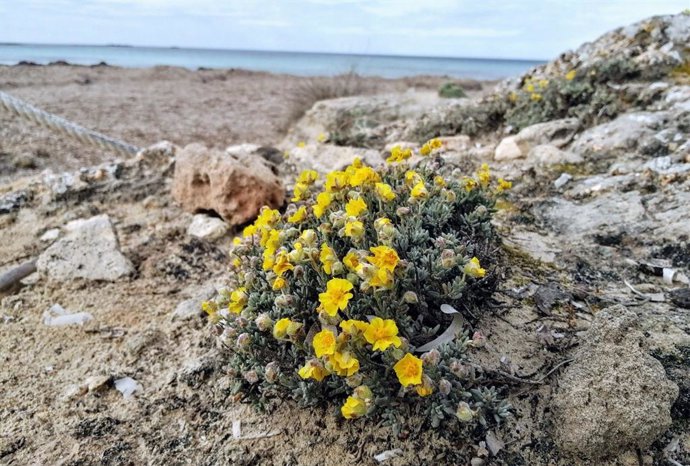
296 63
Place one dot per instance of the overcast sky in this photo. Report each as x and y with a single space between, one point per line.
538 29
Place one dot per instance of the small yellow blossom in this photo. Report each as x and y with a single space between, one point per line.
529 87
267 218
313 369
543 83
419 191
308 237
570 75
353 408
440 181
278 284
353 326
238 299
382 334
328 258
249 230
237 262
384 258
307 177
300 192
337 180
503 185
380 278
409 370
512 97
484 175
384 192
398 154
324 343
425 389
469 183
323 201
321 137
301 144
364 176
473 269
412 178
354 207
282 264
280 328
336 296
236 241
343 363
299 216
354 229
430 146
536 97
352 261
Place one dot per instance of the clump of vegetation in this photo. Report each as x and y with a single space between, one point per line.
451 90
355 128
364 292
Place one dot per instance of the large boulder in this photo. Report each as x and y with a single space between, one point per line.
235 186
614 397
89 250
557 133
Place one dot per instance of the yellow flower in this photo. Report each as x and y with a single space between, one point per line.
327 258
357 163
308 236
409 370
419 191
270 239
353 408
384 192
354 229
249 230
398 154
267 218
503 185
269 259
282 264
300 192
470 184
426 388
307 177
430 146
412 178
336 296
535 97
440 181
301 144
324 343
484 175
323 201
299 216
381 278
313 369
352 261
321 137
237 262
543 83
512 97
473 269
570 75
343 363
337 180
384 258
280 328
364 176
354 207
238 299
353 327
382 334
529 87
278 284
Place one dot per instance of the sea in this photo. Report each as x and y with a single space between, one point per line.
297 63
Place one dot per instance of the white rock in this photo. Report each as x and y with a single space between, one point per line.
206 227
325 158
190 308
89 250
546 154
562 180
97 382
127 386
508 149
58 316
50 235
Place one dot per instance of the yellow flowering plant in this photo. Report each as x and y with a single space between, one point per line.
341 295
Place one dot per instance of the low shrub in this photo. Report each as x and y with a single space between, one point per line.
364 292
451 90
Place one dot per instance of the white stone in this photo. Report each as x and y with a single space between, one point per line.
508 149
58 316
546 154
127 386
206 227
89 250
190 308
50 235
562 180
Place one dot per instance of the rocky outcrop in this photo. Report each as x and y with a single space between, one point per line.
614 397
328 157
233 186
89 250
556 133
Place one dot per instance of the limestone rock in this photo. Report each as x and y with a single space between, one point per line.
508 149
328 157
190 308
235 187
89 250
614 397
546 154
206 227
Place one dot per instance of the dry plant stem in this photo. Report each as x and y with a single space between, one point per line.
10 278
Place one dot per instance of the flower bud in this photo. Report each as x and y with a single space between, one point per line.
264 322
432 357
478 340
354 380
444 387
308 237
448 195
338 268
241 322
363 393
243 340
293 328
464 412
460 370
251 377
448 259
403 211
272 371
481 210
410 297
